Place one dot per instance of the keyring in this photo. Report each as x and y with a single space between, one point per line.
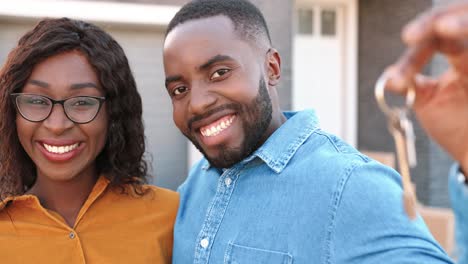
380 96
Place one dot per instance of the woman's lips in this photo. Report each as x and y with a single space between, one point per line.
60 152
60 149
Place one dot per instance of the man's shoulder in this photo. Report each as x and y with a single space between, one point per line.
329 150
325 158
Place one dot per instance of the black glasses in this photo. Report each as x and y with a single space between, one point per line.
37 108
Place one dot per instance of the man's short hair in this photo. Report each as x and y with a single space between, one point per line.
248 21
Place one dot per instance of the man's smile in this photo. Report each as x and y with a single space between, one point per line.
218 126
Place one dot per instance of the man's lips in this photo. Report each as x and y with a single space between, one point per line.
211 116
218 126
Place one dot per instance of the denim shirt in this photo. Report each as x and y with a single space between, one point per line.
458 191
304 196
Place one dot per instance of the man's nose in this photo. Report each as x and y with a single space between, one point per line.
201 98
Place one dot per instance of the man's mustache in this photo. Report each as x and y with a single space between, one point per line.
232 106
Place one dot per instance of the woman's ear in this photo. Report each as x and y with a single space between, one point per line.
273 67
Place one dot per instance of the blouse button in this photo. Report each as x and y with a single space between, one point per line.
72 235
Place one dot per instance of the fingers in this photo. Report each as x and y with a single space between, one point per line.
423 82
401 74
396 80
425 88
454 26
442 30
451 47
446 22
420 29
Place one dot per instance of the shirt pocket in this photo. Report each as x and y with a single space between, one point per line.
237 254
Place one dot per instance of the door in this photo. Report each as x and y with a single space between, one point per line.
321 62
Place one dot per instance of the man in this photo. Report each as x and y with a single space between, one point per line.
273 187
441 102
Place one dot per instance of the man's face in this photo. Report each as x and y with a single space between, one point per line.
217 85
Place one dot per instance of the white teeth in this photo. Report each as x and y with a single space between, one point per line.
216 129
60 149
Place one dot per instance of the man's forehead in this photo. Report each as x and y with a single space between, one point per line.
219 26
216 34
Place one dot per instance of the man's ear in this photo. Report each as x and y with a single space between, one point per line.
273 61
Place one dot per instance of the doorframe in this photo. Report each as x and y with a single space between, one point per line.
350 65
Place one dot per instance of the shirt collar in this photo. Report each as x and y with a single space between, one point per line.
281 146
97 190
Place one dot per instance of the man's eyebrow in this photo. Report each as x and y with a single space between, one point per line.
173 78
213 60
83 85
39 83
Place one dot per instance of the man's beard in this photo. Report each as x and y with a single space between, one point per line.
256 118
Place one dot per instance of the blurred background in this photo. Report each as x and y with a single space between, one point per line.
332 53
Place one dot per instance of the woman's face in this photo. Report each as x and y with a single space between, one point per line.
61 149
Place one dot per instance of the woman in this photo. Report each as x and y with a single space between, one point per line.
72 171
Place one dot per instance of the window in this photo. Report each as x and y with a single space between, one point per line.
305 21
328 22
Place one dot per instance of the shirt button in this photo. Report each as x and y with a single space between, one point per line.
461 178
204 243
227 181
71 235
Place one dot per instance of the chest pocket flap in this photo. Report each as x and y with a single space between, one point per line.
236 254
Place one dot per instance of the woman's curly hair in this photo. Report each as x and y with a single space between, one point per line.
122 159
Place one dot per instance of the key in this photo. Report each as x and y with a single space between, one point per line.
407 126
400 128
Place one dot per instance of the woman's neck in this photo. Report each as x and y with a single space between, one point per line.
64 197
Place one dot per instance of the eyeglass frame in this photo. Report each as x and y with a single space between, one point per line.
101 100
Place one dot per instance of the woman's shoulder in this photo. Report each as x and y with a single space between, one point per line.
148 196
159 193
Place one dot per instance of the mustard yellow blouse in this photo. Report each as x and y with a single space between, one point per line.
111 227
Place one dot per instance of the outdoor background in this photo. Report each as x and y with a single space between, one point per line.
332 53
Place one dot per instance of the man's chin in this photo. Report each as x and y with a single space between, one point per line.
220 157
223 158
222 164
